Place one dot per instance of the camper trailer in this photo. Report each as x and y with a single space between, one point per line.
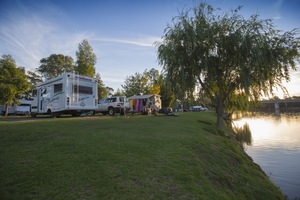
149 103
68 93
14 109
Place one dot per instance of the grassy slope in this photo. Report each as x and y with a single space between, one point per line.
135 157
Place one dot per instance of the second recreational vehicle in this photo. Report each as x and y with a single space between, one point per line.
68 93
14 109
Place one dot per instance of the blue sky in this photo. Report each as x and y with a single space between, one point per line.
122 33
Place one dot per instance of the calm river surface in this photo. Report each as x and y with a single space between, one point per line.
276 148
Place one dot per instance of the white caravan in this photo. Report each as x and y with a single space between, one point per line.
14 109
68 93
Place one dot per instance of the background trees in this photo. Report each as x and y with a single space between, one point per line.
166 93
86 60
229 56
33 78
146 83
13 81
135 85
55 64
102 91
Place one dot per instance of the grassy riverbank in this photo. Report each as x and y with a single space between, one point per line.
135 157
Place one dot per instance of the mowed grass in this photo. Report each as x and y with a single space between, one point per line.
126 157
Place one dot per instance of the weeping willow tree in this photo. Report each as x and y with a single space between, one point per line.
234 59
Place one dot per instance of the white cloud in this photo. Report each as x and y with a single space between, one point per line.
29 37
26 40
276 9
142 41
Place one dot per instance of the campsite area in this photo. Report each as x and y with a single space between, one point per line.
126 157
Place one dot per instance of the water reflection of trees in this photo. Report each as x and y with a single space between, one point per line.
243 134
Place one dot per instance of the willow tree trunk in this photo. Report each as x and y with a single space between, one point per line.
220 114
220 101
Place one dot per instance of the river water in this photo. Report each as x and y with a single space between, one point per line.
276 148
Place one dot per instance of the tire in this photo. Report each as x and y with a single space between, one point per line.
50 113
111 111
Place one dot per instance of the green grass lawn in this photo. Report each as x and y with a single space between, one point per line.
126 157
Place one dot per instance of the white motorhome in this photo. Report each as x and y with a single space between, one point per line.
68 93
14 109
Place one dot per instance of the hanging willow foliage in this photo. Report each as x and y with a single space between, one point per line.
232 58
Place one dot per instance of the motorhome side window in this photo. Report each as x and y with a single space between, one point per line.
57 88
34 93
25 104
43 91
83 89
